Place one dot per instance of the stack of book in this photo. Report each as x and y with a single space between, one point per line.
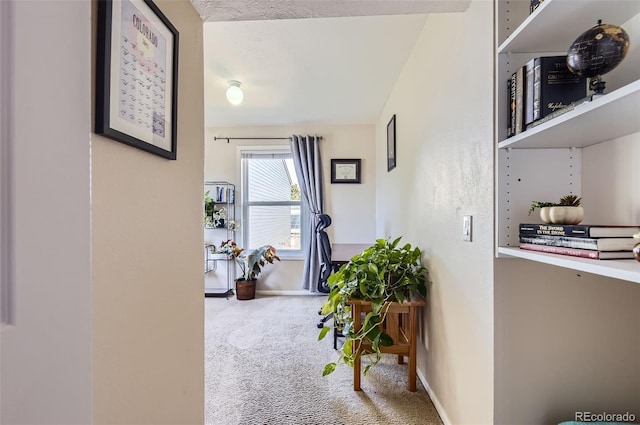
541 90
600 242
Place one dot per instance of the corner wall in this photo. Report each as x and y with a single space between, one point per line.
443 101
351 206
148 304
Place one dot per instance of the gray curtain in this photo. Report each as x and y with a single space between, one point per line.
306 158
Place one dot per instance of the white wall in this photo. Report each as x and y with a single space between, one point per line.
443 102
148 303
612 195
46 354
351 206
566 342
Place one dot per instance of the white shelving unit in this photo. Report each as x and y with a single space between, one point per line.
223 194
618 109
545 162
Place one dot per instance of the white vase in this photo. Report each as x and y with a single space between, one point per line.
562 215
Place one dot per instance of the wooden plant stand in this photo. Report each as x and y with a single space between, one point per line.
401 324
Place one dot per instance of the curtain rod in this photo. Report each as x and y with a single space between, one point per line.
256 138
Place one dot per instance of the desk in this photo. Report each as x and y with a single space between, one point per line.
341 253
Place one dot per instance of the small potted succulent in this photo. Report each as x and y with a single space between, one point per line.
251 264
567 211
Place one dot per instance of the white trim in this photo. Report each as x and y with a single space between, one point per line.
7 282
284 256
434 399
266 148
301 292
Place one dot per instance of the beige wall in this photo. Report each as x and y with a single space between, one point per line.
148 315
351 206
443 101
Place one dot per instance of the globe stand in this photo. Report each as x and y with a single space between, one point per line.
596 85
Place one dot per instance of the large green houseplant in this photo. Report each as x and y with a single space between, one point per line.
382 274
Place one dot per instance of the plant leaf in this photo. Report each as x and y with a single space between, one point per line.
347 347
323 332
385 340
328 369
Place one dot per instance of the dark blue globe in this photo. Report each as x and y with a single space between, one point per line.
598 50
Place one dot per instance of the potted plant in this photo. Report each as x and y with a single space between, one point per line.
213 217
567 211
218 217
251 264
382 274
209 208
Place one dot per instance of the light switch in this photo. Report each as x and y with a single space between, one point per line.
466 228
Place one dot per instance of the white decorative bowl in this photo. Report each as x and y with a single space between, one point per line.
562 215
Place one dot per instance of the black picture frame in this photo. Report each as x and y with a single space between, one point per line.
137 76
345 170
391 143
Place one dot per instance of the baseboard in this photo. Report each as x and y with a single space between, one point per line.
301 292
434 399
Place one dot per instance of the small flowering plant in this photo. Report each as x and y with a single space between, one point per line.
230 248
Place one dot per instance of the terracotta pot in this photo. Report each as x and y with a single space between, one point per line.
562 215
245 289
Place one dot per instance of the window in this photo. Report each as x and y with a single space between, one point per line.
272 208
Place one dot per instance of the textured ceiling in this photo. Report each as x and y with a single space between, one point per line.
243 10
328 70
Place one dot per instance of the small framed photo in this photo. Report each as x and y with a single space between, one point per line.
391 143
137 76
345 171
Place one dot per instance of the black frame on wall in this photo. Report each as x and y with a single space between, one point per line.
345 170
137 76
391 143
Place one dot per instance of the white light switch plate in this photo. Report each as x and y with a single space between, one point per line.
466 228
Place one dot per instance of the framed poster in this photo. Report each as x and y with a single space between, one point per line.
137 76
391 143
345 171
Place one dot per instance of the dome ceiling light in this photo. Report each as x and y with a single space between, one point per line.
234 93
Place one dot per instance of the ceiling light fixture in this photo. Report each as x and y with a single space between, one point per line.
234 93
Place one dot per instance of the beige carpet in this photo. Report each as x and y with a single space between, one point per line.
263 365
